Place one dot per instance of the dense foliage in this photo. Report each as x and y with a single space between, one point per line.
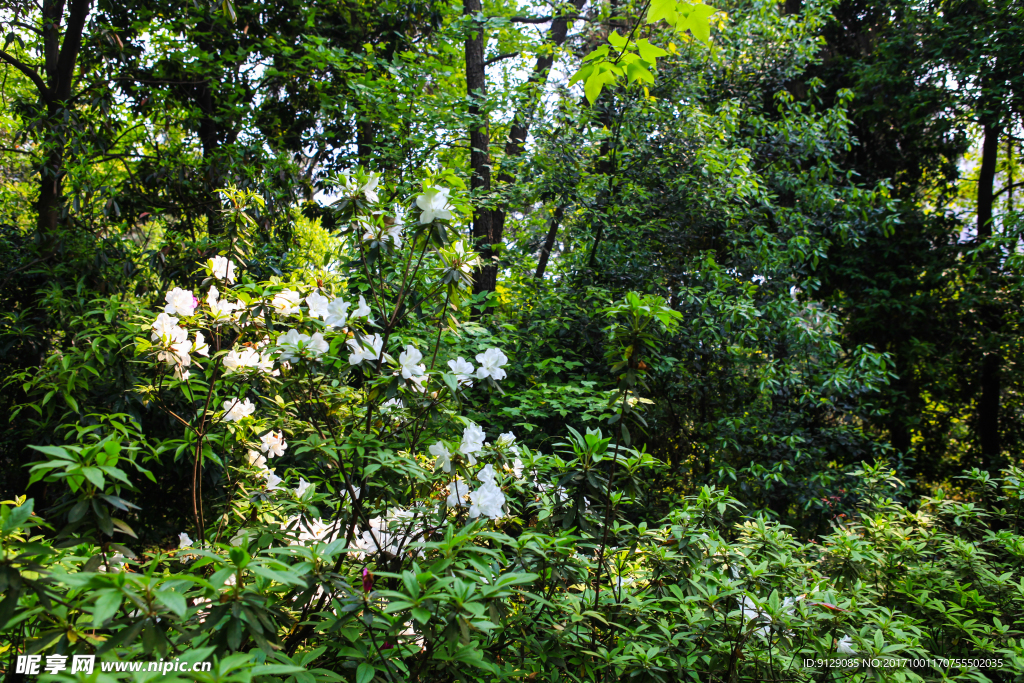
491 341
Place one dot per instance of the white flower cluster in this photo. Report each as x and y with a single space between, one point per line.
173 346
433 205
491 362
393 534
488 500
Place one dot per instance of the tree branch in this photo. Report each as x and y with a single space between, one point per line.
27 70
492 60
541 20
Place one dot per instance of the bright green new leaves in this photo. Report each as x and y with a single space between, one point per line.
636 59
683 16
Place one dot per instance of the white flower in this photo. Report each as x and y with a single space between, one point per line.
318 304
508 440
235 410
301 488
458 491
362 310
487 474
487 501
223 268
463 370
166 330
337 315
220 308
490 362
180 302
273 444
352 188
273 481
181 374
409 362
256 459
114 562
245 358
472 441
442 455
517 468
361 352
184 541
434 204
845 646
355 489
295 345
395 233
201 347
287 302
392 405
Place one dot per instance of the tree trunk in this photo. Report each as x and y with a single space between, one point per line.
988 403
516 144
549 241
479 155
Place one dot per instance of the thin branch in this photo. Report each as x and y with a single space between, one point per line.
492 60
25 69
540 20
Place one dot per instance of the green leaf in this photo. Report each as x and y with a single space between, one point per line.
106 606
421 614
649 53
582 74
695 18
365 673
661 9
172 601
95 475
637 73
616 40
596 83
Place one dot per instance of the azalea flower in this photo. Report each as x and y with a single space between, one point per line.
472 442
181 374
517 468
180 302
223 268
244 359
256 459
409 360
394 231
294 343
336 315
434 205
508 440
463 371
442 455
166 330
362 310
487 501
350 187
274 444
318 304
235 410
458 491
220 308
845 646
361 352
487 474
490 362
287 302
301 489
273 481
184 541
201 347
391 405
